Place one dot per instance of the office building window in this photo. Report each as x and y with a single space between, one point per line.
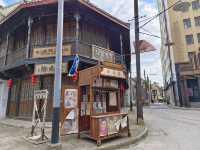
197 21
189 39
195 5
198 37
187 23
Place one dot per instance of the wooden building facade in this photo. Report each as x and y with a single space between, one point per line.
28 45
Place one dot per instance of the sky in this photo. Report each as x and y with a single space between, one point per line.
124 10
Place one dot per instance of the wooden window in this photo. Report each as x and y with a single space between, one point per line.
51 34
38 35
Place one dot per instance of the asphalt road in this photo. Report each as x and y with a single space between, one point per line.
170 129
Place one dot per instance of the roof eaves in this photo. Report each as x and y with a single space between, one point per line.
27 5
85 3
104 13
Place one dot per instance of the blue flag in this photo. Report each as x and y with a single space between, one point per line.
74 69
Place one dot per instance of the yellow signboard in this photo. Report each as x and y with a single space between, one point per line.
44 69
44 52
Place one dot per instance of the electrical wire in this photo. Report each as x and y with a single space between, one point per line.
157 15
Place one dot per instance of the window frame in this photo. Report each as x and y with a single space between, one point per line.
186 39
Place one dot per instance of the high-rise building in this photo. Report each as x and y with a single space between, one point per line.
180 50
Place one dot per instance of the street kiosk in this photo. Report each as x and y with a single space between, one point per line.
101 90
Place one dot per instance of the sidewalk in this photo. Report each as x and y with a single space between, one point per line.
184 108
13 133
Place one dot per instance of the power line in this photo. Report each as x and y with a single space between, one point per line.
154 17
156 36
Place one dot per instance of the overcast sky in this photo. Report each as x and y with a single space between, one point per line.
123 9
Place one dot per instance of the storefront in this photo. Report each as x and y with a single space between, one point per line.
101 90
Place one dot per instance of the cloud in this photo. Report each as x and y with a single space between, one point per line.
124 10
2 2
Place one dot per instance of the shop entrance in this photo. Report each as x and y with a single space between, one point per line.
193 90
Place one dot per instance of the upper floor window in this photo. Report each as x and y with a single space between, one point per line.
195 5
197 21
187 23
198 37
189 39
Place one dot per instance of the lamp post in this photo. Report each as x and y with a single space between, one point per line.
58 75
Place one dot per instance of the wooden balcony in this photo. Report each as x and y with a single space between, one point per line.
84 49
16 57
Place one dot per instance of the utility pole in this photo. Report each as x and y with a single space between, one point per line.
138 68
168 44
58 75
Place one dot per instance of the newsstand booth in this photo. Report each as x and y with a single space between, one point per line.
101 90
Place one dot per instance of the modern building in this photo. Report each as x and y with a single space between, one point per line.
180 51
27 49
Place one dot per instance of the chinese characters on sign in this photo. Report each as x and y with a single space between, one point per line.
113 73
44 69
45 52
102 54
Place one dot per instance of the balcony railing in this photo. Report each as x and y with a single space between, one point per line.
84 49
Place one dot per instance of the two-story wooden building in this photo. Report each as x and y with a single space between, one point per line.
28 41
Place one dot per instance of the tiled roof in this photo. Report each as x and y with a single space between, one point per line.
7 12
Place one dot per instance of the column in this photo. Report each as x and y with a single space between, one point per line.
28 46
121 48
7 47
77 18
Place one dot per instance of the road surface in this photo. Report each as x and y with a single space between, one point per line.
170 129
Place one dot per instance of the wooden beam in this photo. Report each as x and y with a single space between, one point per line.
7 46
28 46
77 17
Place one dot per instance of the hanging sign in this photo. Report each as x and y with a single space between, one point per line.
44 52
44 69
102 54
113 73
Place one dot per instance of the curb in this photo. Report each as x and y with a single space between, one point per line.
131 140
